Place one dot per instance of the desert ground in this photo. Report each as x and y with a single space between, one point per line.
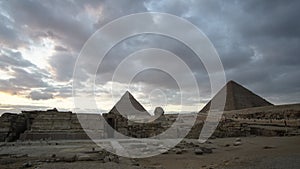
252 152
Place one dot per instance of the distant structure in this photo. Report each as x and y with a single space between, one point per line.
127 117
237 97
129 107
159 111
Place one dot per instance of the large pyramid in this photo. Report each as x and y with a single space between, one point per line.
237 97
129 106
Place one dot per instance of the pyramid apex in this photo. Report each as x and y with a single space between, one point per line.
232 82
127 93
128 105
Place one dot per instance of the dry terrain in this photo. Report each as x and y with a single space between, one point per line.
252 152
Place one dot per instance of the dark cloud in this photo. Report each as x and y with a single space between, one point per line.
60 91
277 19
10 58
23 74
9 87
63 65
58 18
38 95
9 32
258 42
23 78
60 49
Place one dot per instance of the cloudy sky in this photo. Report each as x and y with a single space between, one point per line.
258 42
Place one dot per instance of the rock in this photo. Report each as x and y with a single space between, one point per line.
155 167
208 142
106 159
69 158
225 161
196 145
27 165
178 146
184 150
52 160
198 151
134 162
268 147
227 145
237 143
111 158
145 149
212 137
103 153
19 155
206 150
11 126
238 139
178 151
84 157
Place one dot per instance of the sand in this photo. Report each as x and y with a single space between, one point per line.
255 152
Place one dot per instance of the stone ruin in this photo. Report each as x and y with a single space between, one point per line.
36 125
245 114
55 125
11 126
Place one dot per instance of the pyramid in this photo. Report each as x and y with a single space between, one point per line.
129 106
237 97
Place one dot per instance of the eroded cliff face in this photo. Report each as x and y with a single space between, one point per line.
12 125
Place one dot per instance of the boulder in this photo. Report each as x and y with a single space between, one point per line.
27 165
206 150
69 158
238 139
178 151
84 157
198 151
237 143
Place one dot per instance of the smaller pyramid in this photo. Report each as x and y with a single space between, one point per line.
129 106
237 97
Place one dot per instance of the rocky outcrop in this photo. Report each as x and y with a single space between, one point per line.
11 126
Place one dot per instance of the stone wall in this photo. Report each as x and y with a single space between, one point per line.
54 125
11 126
